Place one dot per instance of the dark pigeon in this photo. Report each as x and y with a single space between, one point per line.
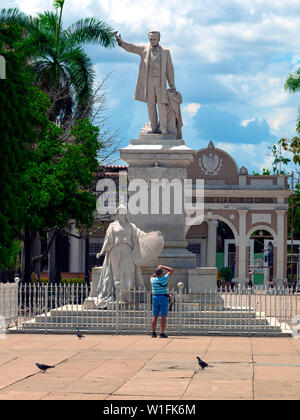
79 335
43 367
202 364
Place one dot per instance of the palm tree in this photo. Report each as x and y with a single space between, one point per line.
62 68
292 84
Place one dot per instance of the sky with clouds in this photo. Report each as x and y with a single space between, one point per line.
231 58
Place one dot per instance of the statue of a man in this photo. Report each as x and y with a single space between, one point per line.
155 70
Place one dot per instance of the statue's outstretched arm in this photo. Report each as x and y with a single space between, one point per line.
132 48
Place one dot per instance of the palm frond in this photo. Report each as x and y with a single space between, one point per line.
47 21
90 30
81 72
298 121
39 44
292 83
14 16
82 77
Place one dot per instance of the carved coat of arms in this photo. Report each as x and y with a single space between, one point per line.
210 163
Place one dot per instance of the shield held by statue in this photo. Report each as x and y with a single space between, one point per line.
148 248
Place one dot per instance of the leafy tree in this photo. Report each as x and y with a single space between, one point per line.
296 211
293 146
59 184
278 159
20 116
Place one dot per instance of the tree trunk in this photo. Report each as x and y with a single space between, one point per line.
22 264
51 259
58 258
27 257
36 250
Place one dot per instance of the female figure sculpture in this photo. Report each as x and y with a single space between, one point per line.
121 237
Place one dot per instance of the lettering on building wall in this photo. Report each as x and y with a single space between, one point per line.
249 200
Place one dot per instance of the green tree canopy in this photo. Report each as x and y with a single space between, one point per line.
20 116
296 212
62 68
59 179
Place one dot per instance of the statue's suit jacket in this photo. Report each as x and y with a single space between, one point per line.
167 70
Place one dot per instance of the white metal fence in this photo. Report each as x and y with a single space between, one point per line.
60 309
9 302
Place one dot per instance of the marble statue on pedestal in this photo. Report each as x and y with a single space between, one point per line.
156 69
126 247
120 239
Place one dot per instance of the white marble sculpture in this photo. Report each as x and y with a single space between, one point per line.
120 262
156 69
118 266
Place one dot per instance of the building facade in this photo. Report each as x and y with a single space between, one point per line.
245 222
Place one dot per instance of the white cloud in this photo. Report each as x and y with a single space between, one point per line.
280 118
244 123
192 108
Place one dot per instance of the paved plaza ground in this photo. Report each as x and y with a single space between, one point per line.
106 367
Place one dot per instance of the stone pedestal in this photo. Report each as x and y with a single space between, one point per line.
203 278
91 301
159 161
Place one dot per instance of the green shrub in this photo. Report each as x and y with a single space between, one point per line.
73 280
226 274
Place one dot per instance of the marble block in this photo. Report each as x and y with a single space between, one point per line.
203 278
91 301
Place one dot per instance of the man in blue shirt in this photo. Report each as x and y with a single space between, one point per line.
159 283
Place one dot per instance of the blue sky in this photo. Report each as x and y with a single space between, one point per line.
231 58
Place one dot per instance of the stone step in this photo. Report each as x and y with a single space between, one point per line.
97 313
67 322
137 320
185 330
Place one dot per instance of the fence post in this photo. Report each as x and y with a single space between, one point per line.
46 306
180 287
16 311
117 286
249 307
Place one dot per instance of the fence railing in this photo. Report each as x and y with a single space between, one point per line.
9 302
62 309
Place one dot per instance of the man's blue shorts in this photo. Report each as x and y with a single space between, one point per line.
160 304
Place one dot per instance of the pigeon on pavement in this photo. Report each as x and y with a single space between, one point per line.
202 363
43 367
79 335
